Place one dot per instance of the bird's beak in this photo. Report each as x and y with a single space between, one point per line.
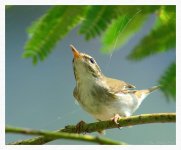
75 52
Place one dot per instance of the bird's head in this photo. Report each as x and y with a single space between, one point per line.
85 66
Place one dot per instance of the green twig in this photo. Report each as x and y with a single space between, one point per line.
98 126
63 135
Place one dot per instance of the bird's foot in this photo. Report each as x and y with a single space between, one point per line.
79 127
116 118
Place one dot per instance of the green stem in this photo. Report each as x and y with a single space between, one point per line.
57 135
98 126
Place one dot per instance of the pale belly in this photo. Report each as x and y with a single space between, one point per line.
102 109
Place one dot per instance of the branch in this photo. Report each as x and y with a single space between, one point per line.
58 135
98 126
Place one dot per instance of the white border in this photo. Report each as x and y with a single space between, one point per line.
90 147
91 2
81 2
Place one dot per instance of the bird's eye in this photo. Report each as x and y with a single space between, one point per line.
92 60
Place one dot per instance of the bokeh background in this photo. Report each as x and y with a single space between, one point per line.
40 96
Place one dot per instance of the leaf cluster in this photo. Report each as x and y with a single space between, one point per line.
116 25
50 28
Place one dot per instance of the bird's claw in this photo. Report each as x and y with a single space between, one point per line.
79 127
116 118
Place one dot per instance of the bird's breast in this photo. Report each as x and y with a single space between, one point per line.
103 105
91 95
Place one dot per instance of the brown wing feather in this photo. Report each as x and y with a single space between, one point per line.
118 85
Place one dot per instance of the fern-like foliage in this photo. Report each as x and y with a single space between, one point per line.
161 39
97 19
168 82
121 30
117 24
50 28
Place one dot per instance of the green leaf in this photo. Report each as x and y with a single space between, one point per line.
161 39
97 20
50 28
121 30
32 29
167 14
168 82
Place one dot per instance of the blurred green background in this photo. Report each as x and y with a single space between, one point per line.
40 96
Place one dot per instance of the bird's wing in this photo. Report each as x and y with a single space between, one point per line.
75 93
118 85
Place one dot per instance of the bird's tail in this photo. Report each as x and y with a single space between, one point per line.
153 88
142 94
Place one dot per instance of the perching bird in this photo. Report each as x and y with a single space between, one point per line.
103 97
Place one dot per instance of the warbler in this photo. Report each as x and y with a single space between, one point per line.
103 97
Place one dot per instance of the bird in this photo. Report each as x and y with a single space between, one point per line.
103 97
